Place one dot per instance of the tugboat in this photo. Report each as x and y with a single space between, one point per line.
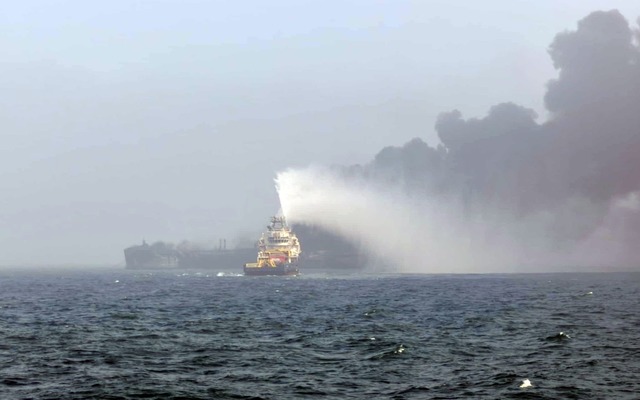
278 251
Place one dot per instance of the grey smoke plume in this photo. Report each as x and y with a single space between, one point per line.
558 194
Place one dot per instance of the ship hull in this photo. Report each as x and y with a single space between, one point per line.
160 257
280 270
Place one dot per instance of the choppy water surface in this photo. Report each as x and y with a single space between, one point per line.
129 335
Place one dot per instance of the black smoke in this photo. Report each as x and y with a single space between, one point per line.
580 169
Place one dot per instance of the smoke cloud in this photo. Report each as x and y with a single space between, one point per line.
504 192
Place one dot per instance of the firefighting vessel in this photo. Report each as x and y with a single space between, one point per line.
278 251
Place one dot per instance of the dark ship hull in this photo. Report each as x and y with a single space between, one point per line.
165 256
151 257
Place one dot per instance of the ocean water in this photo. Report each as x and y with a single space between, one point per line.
118 334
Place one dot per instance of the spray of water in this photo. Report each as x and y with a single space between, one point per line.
390 228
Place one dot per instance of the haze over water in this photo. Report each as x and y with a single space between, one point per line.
169 120
125 121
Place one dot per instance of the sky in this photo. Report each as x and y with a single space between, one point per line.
169 120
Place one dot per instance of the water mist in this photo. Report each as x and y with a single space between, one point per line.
389 227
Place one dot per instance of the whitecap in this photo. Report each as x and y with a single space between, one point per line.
526 383
400 349
228 274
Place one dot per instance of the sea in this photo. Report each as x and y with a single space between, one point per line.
123 334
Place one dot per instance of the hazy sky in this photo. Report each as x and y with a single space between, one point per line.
168 120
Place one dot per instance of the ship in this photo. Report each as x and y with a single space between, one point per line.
278 251
186 255
156 256
324 251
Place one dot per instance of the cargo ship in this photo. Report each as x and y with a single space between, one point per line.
278 251
156 256
161 255
324 251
